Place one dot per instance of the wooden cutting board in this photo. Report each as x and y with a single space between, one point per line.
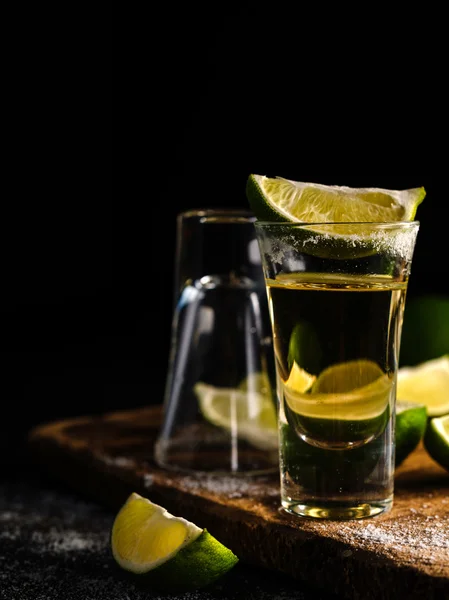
108 457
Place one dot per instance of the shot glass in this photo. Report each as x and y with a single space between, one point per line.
336 294
219 413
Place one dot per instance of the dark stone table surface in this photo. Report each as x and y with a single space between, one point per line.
54 544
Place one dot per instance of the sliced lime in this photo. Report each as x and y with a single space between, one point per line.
426 383
304 346
248 413
347 376
299 381
349 391
256 382
348 404
165 551
436 440
411 421
279 199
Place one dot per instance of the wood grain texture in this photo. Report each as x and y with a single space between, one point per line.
404 553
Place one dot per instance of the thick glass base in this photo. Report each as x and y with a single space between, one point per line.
338 511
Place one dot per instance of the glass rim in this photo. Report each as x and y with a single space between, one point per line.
223 215
304 224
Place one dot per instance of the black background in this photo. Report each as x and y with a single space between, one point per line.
114 126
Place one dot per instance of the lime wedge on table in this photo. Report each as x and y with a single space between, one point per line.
411 422
426 383
248 412
436 440
168 552
279 199
256 382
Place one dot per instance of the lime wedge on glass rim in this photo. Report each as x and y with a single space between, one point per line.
164 551
278 199
331 215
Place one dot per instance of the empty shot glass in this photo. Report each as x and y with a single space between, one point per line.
219 411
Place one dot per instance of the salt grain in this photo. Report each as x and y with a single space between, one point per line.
69 540
400 534
148 480
116 461
229 486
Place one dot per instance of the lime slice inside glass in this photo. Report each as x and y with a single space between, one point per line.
347 405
